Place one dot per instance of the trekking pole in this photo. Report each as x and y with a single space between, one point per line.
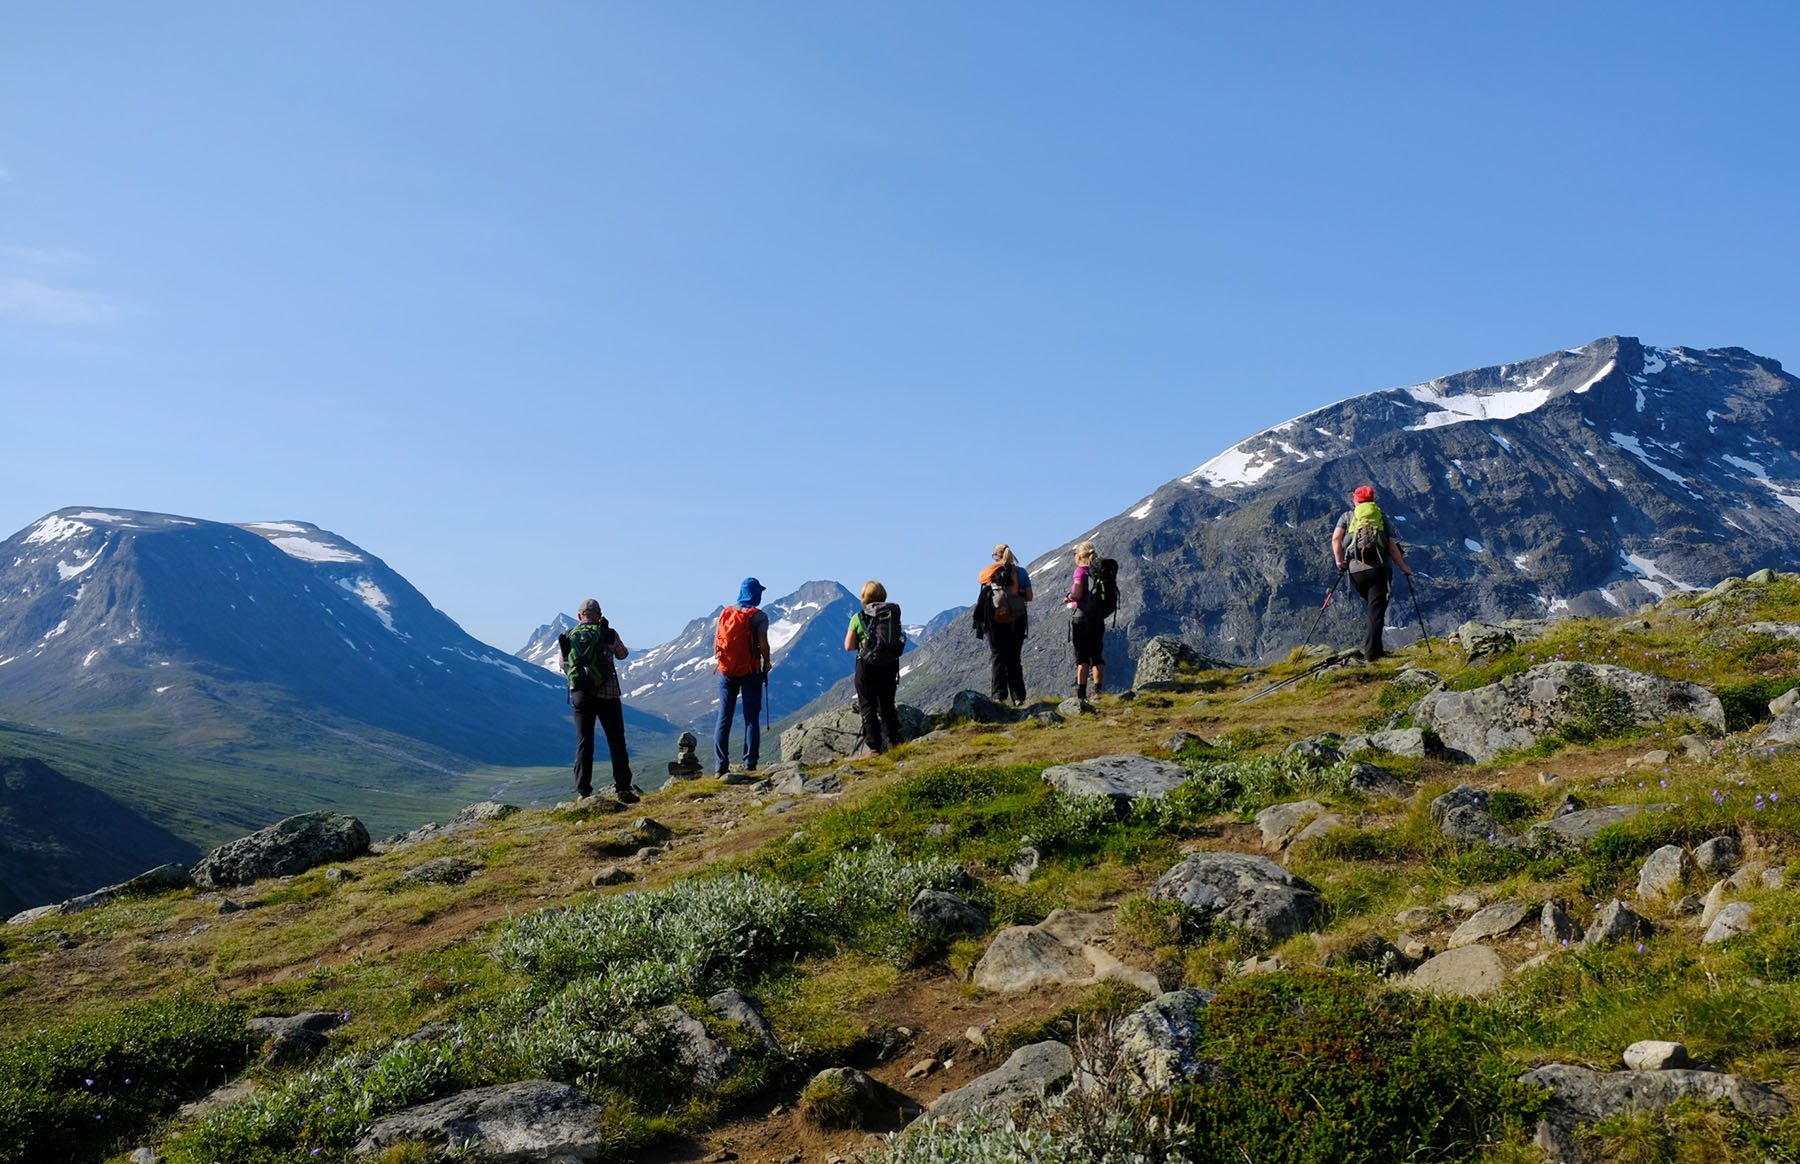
1329 595
1418 614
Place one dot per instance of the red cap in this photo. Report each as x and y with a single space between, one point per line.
1364 493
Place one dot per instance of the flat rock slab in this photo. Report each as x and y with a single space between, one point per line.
1492 922
1581 1095
1280 823
1579 827
1028 1075
1471 972
1124 778
1248 892
1058 951
836 735
536 1120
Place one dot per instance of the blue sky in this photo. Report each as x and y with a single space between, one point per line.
537 301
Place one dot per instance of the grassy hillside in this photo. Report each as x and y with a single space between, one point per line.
528 970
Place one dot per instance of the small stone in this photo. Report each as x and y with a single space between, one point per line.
1418 917
1466 902
612 875
1718 855
1774 878
1556 927
977 1038
1662 873
226 905
1733 920
921 1069
1651 759
1656 1055
1251 966
1549 778
1689 905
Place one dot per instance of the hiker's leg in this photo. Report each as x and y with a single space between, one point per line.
1378 607
886 682
612 719
583 704
998 637
865 707
722 730
1015 667
753 693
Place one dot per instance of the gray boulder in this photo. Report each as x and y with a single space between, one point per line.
1156 1041
1656 1055
1717 856
1396 742
1486 638
1462 814
1029 1075
1556 927
1581 1095
1061 950
468 818
1250 893
1784 730
1469 972
1493 922
1124 778
710 1061
437 871
978 708
836 735
734 1005
295 1038
1575 829
1162 661
1320 749
162 879
798 783
1663 874
287 847
1378 783
1616 922
1281 823
1517 711
514 1122
1732 920
939 911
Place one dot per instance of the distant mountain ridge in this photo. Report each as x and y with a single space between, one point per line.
1587 480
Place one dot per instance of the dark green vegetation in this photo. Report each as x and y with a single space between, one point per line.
528 972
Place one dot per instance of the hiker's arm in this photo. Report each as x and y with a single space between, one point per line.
1337 546
850 643
761 645
1025 590
1077 588
619 649
1399 558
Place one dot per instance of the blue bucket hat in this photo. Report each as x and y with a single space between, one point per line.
750 592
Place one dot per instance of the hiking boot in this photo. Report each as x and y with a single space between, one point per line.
627 795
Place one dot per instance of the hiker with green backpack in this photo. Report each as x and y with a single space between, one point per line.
1093 597
1364 545
878 639
590 653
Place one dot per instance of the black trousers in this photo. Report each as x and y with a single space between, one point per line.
611 713
1373 585
876 683
1006 673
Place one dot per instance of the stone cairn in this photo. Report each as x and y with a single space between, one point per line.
685 765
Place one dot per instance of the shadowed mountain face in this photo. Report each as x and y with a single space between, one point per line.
677 681
60 838
251 642
1589 480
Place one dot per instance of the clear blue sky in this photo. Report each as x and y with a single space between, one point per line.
542 300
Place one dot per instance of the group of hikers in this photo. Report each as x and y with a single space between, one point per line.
1362 544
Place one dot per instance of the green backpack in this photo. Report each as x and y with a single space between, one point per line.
590 662
1366 539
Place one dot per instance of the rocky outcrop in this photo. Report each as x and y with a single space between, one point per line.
709 1061
1162 661
1029 1074
1157 1041
734 1005
938 911
1492 922
975 707
1124 778
1463 814
1577 828
437 871
1519 710
531 1121
1581 1095
162 879
287 847
837 734
1249 893
1487 638
290 1039
474 816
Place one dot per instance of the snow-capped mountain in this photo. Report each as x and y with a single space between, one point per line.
259 640
677 681
1588 480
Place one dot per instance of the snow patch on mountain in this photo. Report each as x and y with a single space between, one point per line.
1466 406
57 529
308 550
1635 447
373 597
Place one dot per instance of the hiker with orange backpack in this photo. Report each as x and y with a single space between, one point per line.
1001 618
741 649
1363 544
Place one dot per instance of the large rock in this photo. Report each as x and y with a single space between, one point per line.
735 1006
1520 709
473 816
1575 829
1462 814
1470 972
1395 742
437 871
531 1121
1663 874
1162 660
836 735
978 708
709 1060
1029 1075
287 847
1581 1095
1281 823
939 911
1487 638
162 879
1250 893
1616 922
1156 1041
1734 919
1061 950
1124 778
1784 729
290 1039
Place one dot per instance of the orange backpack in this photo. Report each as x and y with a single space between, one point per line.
734 642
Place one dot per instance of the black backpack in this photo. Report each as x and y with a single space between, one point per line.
1103 588
883 638
589 664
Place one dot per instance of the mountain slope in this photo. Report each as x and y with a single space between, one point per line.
1588 480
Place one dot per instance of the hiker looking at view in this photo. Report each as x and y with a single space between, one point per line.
1001 618
1090 600
741 649
590 653
878 639
1363 544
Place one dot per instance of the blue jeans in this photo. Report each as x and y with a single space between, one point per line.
729 688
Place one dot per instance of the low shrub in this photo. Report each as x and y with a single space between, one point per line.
70 1093
1747 704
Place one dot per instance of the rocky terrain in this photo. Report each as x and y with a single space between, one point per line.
1524 895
